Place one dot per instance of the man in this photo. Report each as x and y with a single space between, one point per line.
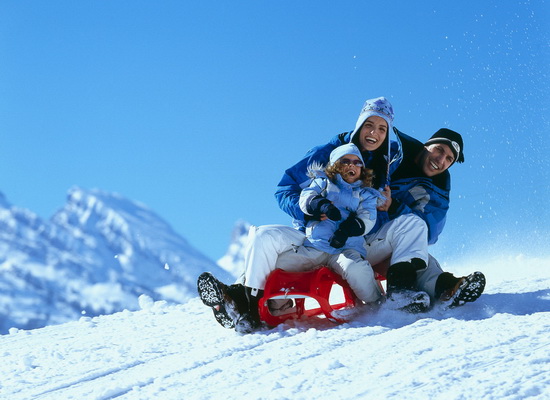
420 189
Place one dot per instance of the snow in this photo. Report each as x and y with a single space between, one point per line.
495 348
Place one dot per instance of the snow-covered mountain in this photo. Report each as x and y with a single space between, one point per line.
233 260
495 348
97 255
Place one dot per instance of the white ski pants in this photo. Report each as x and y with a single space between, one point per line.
401 240
265 243
426 279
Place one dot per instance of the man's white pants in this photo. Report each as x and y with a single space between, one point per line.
401 240
426 279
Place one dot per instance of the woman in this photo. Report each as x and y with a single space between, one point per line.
236 306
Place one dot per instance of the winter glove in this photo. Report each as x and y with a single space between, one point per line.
338 239
320 205
352 226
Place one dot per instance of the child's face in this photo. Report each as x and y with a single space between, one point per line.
350 168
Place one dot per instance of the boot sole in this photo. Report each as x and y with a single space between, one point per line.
421 304
212 293
418 302
469 291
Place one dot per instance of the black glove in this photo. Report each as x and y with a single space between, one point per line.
320 205
352 226
338 239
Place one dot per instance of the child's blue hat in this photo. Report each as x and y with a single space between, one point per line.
343 150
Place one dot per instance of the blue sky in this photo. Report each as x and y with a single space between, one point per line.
197 108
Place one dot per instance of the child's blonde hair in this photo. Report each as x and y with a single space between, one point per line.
366 176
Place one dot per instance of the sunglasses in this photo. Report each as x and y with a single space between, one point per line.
347 161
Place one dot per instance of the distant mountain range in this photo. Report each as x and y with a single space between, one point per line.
95 256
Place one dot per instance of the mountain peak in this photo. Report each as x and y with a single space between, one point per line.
233 260
96 255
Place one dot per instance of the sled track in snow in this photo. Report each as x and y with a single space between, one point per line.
116 382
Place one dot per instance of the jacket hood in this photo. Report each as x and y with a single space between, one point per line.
316 170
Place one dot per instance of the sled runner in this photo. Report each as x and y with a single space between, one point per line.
329 291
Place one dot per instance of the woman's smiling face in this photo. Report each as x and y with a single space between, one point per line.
373 133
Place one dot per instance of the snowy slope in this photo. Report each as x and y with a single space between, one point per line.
495 348
97 255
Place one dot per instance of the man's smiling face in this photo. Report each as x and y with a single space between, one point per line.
436 159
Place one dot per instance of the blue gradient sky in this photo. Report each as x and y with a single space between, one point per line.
197 108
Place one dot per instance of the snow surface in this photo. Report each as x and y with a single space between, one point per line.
495 348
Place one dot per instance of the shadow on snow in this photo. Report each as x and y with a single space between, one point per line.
485 307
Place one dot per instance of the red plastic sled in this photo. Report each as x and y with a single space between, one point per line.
317 284
299 286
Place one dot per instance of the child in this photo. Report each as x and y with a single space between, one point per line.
343 209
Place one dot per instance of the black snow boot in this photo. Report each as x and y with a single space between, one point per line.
401 293
249 320
227 302
402 275
445 283
411 301
454 292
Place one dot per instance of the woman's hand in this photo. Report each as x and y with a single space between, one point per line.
387 194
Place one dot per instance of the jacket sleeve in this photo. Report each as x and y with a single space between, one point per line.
367 208
316 188
424 201
296 178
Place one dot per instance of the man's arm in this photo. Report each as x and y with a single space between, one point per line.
423 199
